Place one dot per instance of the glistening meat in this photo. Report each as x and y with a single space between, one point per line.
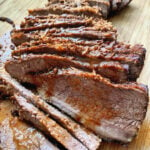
114 111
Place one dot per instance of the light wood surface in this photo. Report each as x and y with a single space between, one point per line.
133 24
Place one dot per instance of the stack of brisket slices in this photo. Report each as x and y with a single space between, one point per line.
83 79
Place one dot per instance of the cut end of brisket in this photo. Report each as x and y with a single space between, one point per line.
109 107
73 59
85 42
28 103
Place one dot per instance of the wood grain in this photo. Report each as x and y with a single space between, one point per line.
133 24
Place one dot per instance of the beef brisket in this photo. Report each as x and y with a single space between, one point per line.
105 58
69 7
41 63
35 28
30 113
10 136
102 6
89 42
83 135
18 135
65 51
114 111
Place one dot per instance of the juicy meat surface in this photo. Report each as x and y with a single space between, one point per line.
101 6
37 27
29 112
114 111
85 136
42 63
70 7
127 61
16 134
63 50
87 41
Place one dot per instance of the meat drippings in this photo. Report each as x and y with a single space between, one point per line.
23 136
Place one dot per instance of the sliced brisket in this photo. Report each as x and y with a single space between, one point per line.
117 61
16 134
36 28
11 134
63 49
114 111
42 63
69 7
89 42
30 113
91 141
102 6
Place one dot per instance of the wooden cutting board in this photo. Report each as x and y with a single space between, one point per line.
133 24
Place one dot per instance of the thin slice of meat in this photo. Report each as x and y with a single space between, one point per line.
17 133
42 63
82 32
30 113
91 141
55 21
10 135
102 5
64 25
114 111
63 9
105 7
6 136
104 58
67 20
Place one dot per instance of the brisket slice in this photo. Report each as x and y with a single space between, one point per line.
102 6
98 55
42 63
105 7
30 113
93 42
16 135
35 28
91 141
114 111
82 32
64 9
